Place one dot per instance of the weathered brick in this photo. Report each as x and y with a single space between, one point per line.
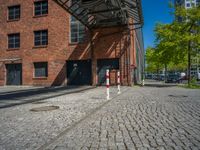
108 43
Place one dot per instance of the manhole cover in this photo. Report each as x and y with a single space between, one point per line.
96 97
178 96
45 108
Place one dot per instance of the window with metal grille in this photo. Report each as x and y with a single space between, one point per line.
77 31
41 69
14 40
188 5
41 38
41 8
14 12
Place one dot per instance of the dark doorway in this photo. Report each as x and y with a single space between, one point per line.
79 72
13 74
103 64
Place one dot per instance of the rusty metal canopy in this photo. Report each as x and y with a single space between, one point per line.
104 13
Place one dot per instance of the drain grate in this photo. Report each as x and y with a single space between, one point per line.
44 108
178 96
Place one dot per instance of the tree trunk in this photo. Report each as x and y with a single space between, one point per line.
189 62
165 72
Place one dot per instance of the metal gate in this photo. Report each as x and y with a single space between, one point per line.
79 72
13 74
103 64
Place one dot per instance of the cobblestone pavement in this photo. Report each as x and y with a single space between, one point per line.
144 118
21 128
16 95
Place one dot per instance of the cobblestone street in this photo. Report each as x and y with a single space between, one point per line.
145 118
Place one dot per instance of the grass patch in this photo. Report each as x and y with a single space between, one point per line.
191 86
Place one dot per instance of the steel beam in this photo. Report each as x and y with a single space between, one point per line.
120 9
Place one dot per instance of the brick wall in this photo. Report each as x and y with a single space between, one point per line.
107 43
55 53
114 43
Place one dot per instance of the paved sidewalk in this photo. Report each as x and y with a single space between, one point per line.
141 118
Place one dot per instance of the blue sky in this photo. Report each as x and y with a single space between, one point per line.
154 11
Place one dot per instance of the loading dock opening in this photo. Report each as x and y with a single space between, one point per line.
13 74
103 65
79 72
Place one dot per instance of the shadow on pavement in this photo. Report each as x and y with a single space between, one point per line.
160 85
13 98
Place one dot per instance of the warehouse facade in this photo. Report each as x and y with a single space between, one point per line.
42 43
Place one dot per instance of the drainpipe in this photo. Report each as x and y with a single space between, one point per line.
129 56
93 59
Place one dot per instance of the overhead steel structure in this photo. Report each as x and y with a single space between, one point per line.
104 13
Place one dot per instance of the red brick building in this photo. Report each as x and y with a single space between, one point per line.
41 44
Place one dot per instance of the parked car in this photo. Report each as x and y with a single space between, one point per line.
173 78
162 77
149 76
198 76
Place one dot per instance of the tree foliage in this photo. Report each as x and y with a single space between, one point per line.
174 41
153 60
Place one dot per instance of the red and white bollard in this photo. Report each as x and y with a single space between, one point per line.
108 84
118 82
143 82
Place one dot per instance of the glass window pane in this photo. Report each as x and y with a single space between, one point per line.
74 40
14 41
77 30
37 43
10 45
17 44
41 69
41 8
44 42
13 12
41 37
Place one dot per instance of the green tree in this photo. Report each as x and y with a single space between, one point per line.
178 41
154 64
